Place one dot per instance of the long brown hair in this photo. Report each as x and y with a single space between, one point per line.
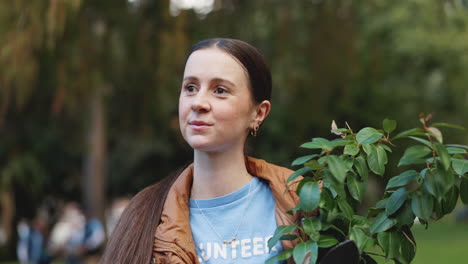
132 240
133 237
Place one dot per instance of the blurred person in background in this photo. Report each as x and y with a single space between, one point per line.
77 237
113 214
67 233
93 239
31 247
224 206
23 241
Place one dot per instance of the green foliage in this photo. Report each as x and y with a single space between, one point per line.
434 176
378 56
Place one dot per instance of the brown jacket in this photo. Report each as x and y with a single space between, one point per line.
173 241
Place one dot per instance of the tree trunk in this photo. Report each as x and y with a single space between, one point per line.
7 205
93 183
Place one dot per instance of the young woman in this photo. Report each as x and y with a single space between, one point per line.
224 206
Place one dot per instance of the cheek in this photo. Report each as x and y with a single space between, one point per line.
182 110
234 114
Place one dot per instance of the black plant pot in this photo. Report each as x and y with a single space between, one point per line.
345 252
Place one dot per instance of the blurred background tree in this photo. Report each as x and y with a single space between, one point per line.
89 88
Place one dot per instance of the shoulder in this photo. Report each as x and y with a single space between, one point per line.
268 171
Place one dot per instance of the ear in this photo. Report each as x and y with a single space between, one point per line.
261 112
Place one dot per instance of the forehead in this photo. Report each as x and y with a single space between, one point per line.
215 63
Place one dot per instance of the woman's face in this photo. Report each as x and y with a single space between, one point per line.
216 109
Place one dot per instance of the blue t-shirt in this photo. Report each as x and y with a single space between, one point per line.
250 210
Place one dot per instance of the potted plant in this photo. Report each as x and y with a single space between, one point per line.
332 182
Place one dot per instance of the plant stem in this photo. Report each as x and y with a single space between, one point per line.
370 253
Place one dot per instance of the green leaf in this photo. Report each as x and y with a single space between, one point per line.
394 245
322 160
382 223
345 208
298 173
327 241
356 187
464 190
314 252
312 225
450 200
382 239
368 135
301 250
302 182
289 237
389 125
403 179
337 168
448 178
313 165
381 204
434 183
408 250
387 148
335 187
361 221
368 149
390 243
460 166
396 200
376 159
406 215
309 196
410 132
422 205
281 256
443 154
303 159
349 161
373 211
279 232
420 140
448 125
327 200
367 259
351 149
341 142
361 239
361 167
457 146
319 143
452 150
414 155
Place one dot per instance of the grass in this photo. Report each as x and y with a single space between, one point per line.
443 242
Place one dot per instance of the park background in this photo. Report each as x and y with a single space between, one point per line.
89 89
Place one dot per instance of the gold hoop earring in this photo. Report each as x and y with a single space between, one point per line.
253 132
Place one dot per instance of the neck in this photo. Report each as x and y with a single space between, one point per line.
218 174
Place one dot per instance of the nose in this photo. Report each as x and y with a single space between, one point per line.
201 103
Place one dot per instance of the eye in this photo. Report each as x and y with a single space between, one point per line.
190 89
220 91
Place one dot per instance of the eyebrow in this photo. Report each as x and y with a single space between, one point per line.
191 78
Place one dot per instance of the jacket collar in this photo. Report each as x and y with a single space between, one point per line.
174 227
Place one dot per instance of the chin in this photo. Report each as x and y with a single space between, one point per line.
205 147
211 144
201 145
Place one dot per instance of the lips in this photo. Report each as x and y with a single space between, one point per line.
198 125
